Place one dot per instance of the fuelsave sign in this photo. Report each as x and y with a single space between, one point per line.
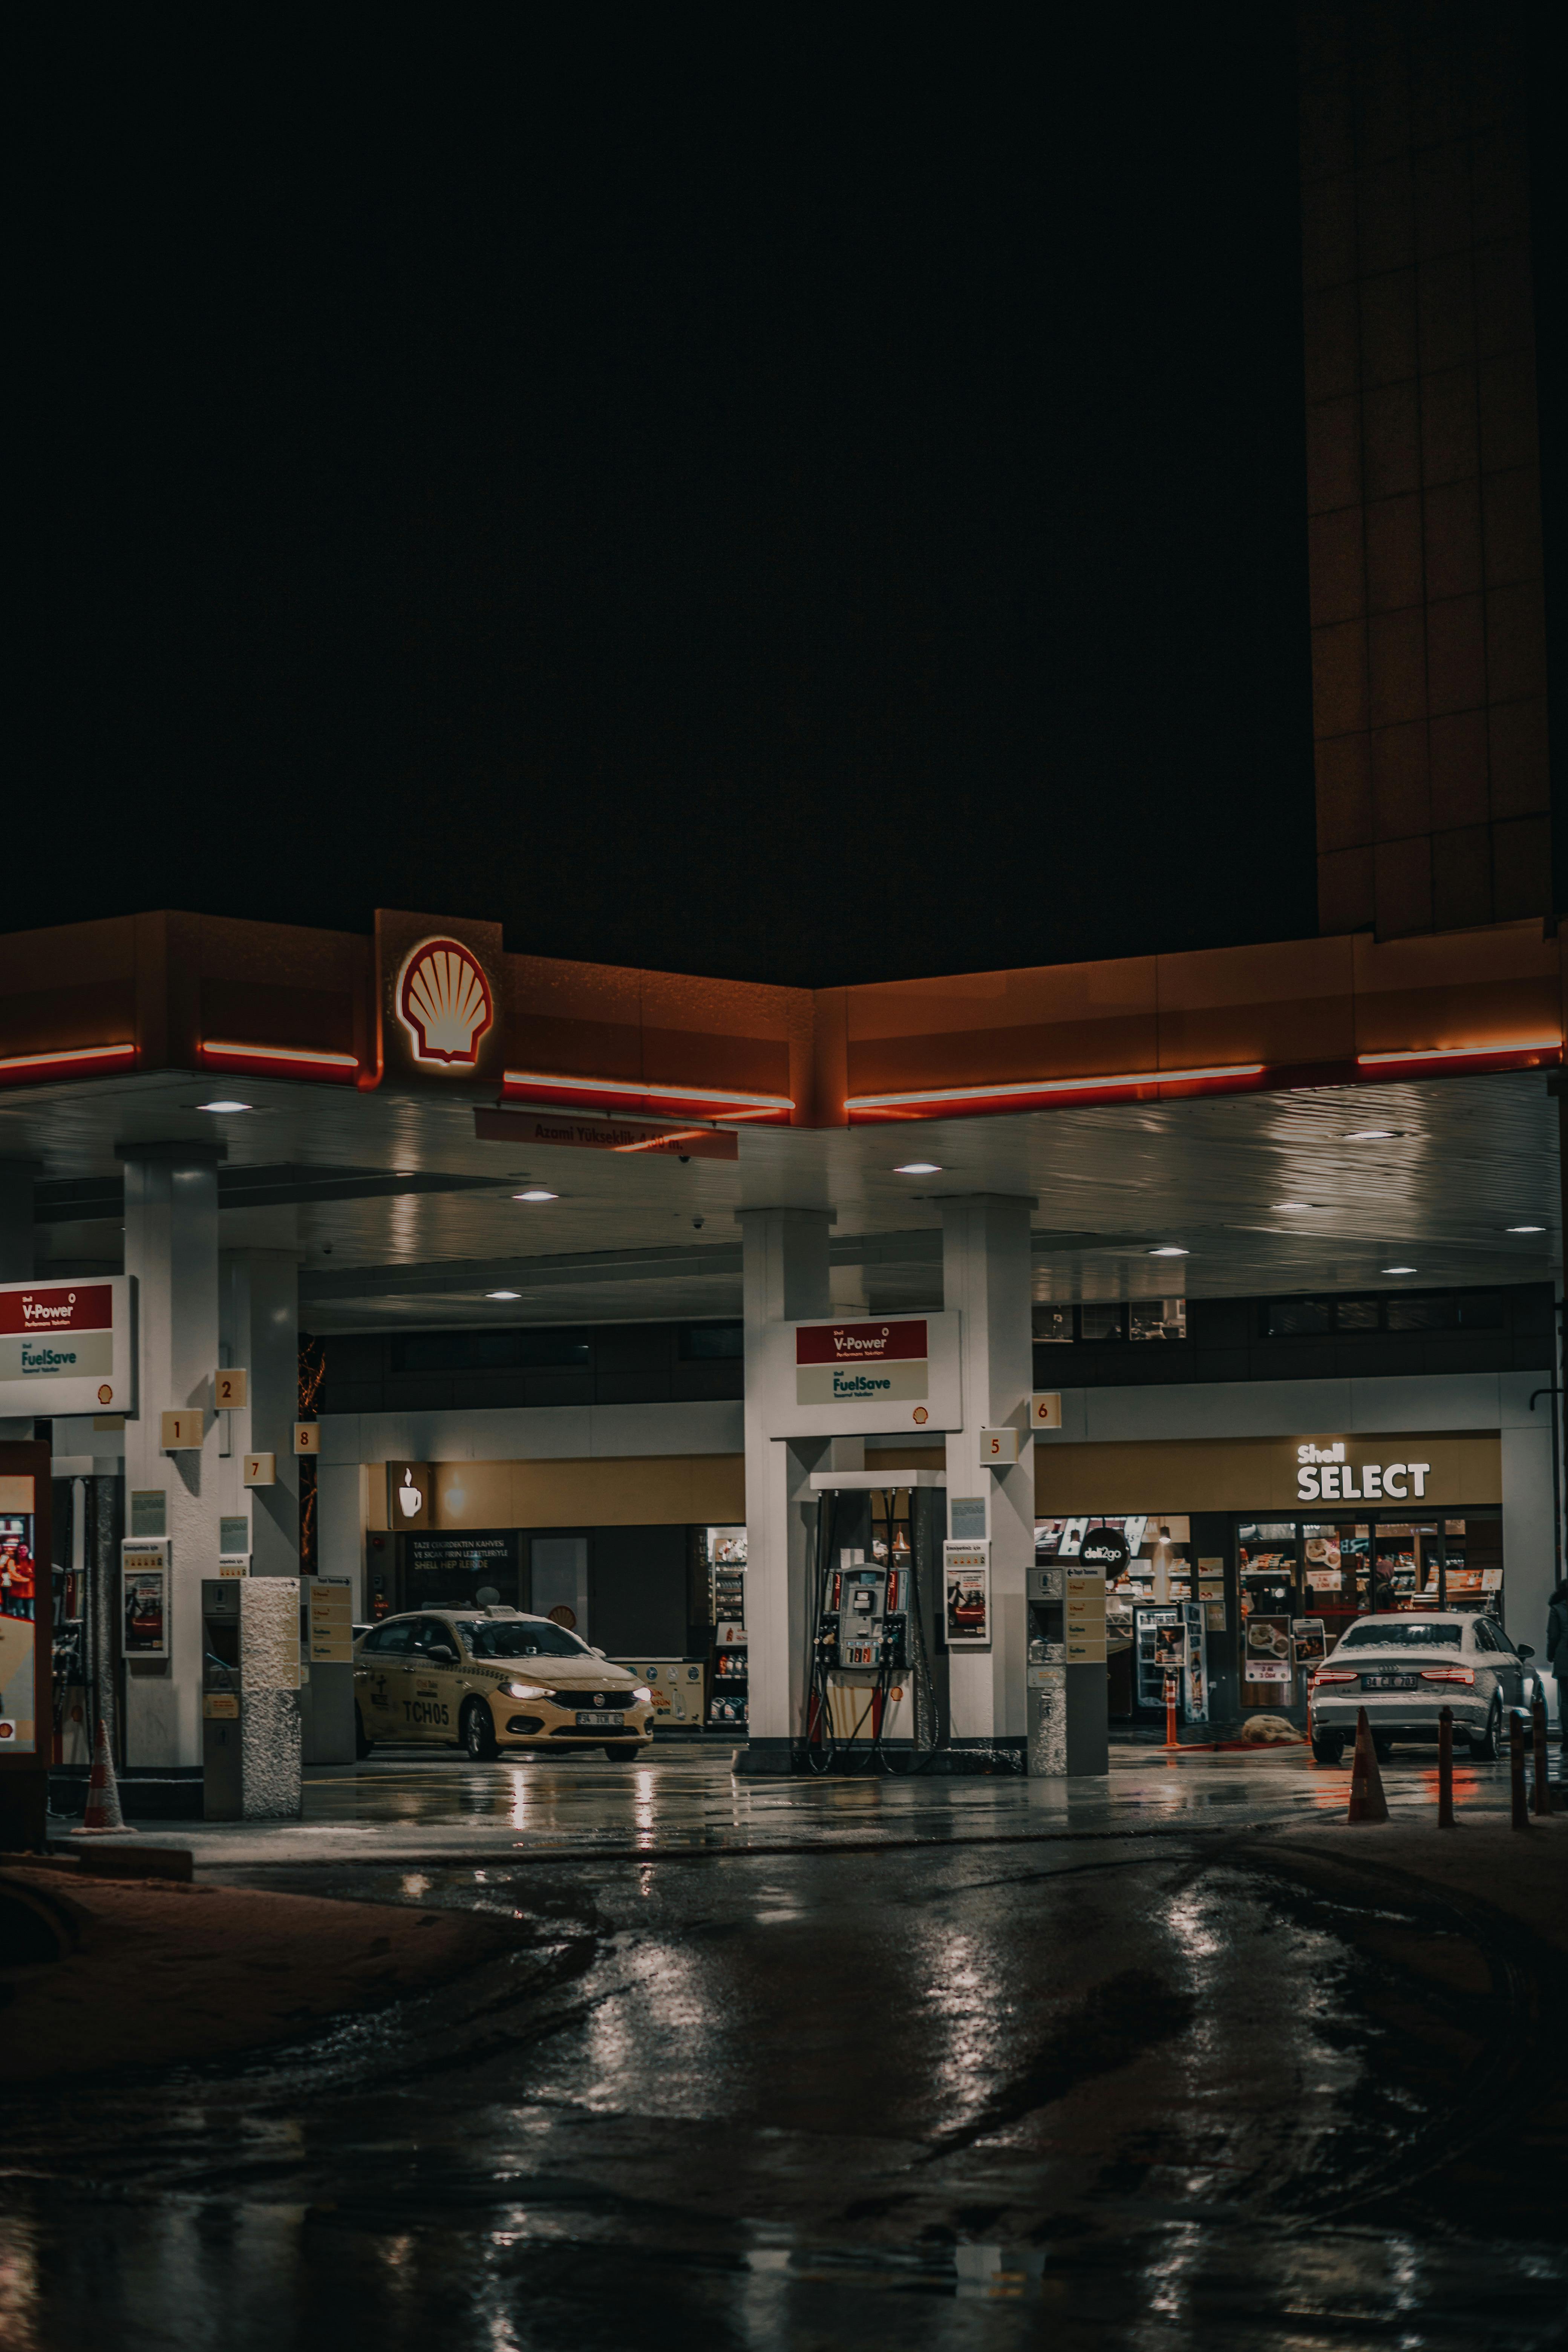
835 1378
861 1363
57 1327
67 1346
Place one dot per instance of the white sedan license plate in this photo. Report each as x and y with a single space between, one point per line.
586 1722
1388 1682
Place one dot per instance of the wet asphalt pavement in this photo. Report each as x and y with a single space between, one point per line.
1199 2085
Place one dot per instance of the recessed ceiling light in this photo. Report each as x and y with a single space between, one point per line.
503 1293
1401 1269
1372 1135
223 1105
920 1168
1168 1249
1291 1205
1524 1229
536 1192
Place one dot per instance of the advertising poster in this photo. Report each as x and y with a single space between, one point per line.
1269 1649
144 1587
18 1640
1171 1648
966 1595
1195 1682
1309 1641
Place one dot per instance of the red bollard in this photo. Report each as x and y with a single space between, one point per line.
1542 1798
1516 1773
1445 1769
1171 1739
1368 1802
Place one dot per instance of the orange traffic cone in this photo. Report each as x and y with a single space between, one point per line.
103 1812
1368 1802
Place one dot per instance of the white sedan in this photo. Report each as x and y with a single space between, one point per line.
1405 1669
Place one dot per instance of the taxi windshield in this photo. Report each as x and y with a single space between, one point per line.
521 1637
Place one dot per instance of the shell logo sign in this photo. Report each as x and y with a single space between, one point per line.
444 1002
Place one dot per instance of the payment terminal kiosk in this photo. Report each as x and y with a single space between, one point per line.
223 1774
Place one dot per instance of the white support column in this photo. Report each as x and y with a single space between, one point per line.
16 1252
1528 1552
784 1279
258 1327
985 1276
171 1247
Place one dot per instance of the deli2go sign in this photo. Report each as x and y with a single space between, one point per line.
69 1347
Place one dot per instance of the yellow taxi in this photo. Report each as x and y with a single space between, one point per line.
485 1679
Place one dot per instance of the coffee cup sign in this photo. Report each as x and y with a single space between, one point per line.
408 1494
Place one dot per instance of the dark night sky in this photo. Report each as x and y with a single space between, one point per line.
747 504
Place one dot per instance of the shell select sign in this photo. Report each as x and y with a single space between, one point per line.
444 1002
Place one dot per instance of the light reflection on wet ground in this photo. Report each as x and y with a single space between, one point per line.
416 1804
1178 2089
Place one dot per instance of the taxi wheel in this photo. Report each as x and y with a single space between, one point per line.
478 1732
361 1745
620 1753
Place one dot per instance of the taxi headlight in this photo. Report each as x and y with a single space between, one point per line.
641 1696
524 1690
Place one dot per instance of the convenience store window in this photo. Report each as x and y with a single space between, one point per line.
1104 1322
1295 1575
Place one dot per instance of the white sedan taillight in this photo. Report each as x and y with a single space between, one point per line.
1447 1675
1333 1674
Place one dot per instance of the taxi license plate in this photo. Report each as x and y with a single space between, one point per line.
586 1722
1388 1682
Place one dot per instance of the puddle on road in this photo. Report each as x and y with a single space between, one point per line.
576 2145
256 2277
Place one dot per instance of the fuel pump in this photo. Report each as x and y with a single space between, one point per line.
875 1683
